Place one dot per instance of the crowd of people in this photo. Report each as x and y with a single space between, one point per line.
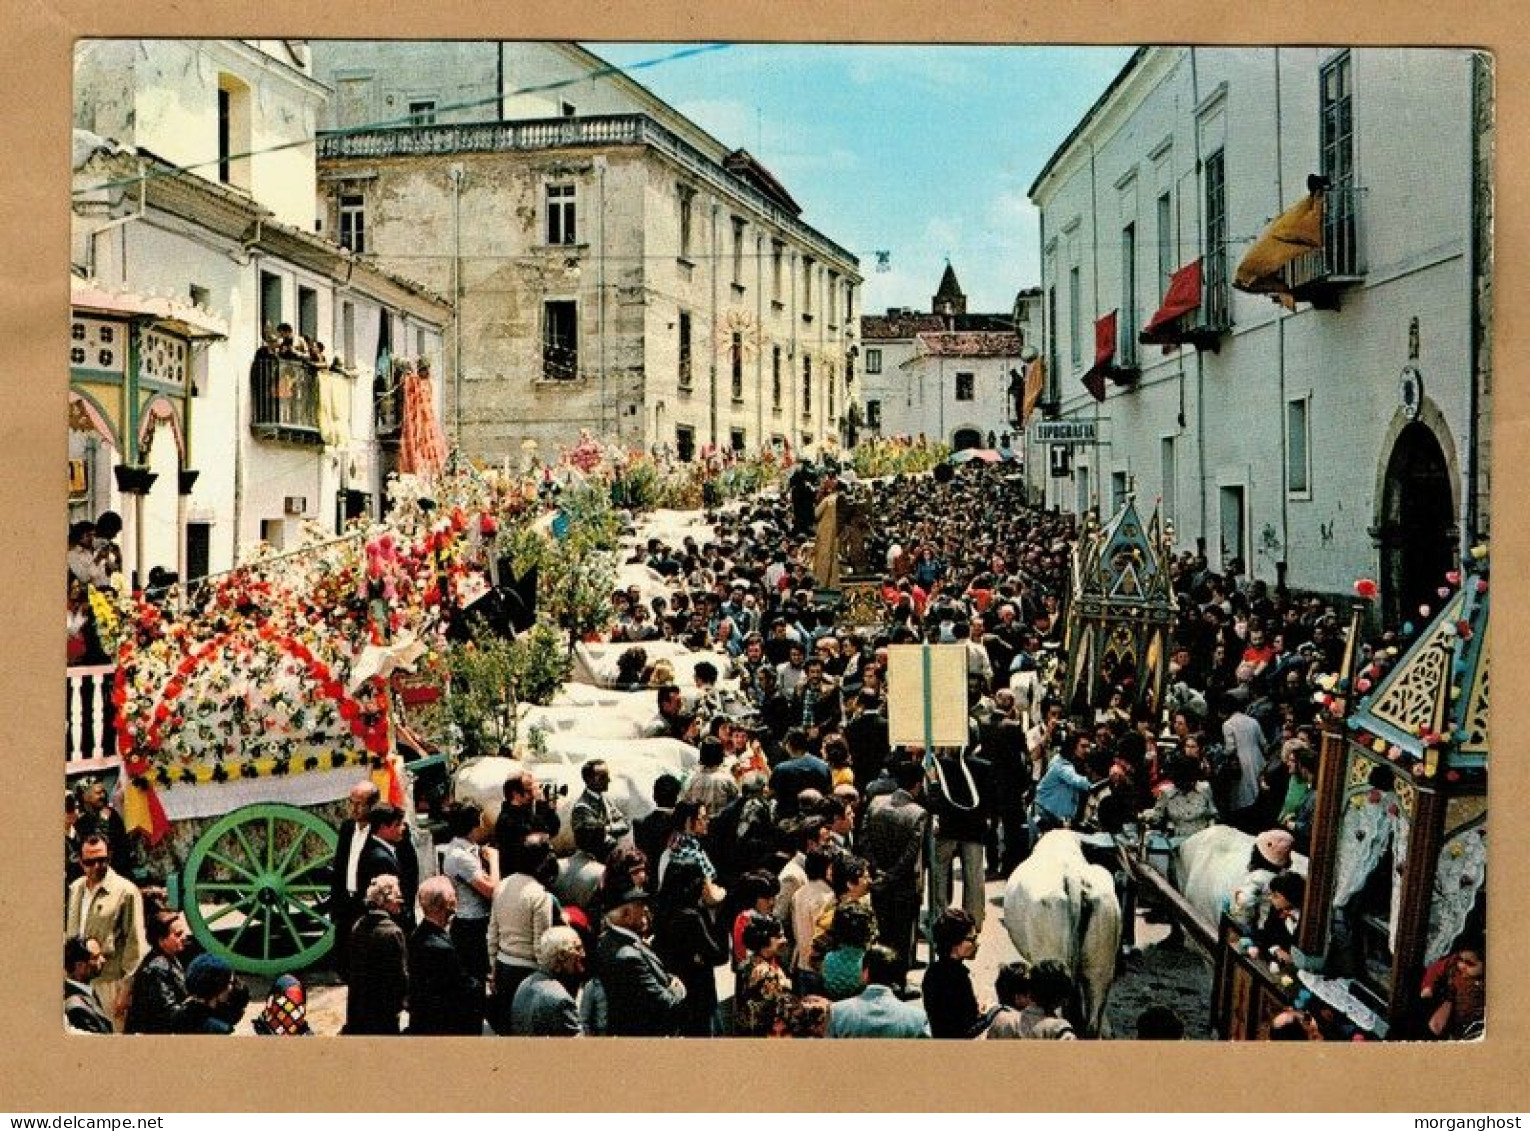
794 855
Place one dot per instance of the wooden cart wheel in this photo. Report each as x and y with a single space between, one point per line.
256 884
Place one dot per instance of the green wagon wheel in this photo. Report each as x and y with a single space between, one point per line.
254 893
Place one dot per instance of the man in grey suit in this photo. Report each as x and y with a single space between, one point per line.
543 1005
876 1010
642 998
894 845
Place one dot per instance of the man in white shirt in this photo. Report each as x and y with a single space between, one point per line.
979 663
345 900
1038 739
792 673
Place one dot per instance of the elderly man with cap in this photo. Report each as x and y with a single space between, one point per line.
643 999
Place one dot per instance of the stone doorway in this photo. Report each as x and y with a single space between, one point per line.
1417 533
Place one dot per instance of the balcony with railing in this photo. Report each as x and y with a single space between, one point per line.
284 400
1319 276
90 732
594 131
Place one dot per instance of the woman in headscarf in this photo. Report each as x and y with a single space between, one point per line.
286 1010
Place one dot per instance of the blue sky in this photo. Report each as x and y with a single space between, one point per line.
926 152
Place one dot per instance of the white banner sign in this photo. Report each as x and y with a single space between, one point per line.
936 675
1065 432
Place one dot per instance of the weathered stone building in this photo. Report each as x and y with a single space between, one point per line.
614 266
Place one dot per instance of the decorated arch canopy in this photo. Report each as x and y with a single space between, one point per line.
1120 611
130 365
1432 708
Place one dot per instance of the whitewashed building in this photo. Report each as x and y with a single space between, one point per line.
615 267
949 375
193 231
1345 437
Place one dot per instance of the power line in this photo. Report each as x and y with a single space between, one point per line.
412 119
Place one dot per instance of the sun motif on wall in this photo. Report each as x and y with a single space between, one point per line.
738 321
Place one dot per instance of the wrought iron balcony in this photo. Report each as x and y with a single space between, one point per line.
1319 276
284 395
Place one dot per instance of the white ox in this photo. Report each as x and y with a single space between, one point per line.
1210 864
482 781
592 720
1058 906
596 664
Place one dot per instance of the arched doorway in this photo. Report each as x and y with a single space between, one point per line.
965 438
1418 525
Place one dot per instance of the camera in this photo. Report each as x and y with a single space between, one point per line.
552 790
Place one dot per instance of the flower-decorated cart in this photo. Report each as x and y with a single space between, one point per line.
239 719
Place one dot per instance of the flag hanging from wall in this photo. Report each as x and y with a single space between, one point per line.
1295 232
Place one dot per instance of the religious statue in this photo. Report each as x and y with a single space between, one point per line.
854 532
826 537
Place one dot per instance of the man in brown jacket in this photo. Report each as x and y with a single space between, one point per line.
107 907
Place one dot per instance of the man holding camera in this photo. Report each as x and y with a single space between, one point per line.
527 809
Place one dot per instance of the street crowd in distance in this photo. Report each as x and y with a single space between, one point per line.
794 854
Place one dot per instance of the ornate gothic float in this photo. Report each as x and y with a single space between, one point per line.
1120 612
